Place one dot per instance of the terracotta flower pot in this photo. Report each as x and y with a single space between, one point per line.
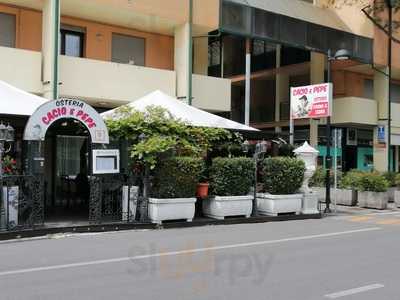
202 190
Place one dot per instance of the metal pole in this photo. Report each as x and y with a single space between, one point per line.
335 139
291 122
390 88
254 212
247 84
190 67
328 148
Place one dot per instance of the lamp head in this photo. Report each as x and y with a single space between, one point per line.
342 54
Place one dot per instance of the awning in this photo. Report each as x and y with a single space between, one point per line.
14 101
182 111
299 10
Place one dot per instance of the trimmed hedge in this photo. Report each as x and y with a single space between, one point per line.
352 180
283 175
373 182
231 176
177 177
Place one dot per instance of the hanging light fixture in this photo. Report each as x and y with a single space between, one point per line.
10 133
3 132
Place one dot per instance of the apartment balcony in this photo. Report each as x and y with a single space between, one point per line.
21 68
115 84
211 93
111 83
355 110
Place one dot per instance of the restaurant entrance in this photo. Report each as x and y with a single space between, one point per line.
67 153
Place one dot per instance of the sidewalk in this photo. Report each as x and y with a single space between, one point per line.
49 229
342 210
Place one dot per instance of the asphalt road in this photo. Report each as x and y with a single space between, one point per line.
333 258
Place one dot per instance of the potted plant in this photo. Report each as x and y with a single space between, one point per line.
203 185
347 192
173 189
283 177
391 178
230 183
373 191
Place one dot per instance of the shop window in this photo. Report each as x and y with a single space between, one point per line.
72 40
236 17
7 30
368 89
395 90
263 55
128 50
292 55
234 48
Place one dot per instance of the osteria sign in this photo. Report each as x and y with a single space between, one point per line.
52 111
312 101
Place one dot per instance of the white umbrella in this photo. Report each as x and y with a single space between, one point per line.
180 110
14 101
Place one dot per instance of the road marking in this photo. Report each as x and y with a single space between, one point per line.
361 219
389 222
355 291
182 252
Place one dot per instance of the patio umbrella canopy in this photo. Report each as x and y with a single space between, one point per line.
182 111
14 101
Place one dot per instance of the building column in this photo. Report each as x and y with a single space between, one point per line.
247 92
50 47
381 93
317 75
182 60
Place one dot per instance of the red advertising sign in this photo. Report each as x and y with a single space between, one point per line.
312 101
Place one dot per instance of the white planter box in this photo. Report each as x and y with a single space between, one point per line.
171 209
342 196
219 207
391 192
377 200
273 205
397 198
310 204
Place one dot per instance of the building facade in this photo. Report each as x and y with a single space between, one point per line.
111 52
286 44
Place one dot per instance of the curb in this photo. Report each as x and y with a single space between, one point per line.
43 232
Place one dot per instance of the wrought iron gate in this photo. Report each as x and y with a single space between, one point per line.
22 202
113 198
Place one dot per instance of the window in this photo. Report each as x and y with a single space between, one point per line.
72 40
128 49
263 55
7 30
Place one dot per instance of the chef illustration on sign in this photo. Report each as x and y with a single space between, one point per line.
303 107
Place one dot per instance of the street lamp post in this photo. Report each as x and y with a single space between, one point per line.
341 54
390 4
260 150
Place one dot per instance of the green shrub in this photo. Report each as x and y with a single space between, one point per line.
318 179
231 176
283 175
373 182
397 180
391 178
352 179
177 177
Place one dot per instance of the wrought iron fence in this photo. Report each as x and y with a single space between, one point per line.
22 202
113 198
